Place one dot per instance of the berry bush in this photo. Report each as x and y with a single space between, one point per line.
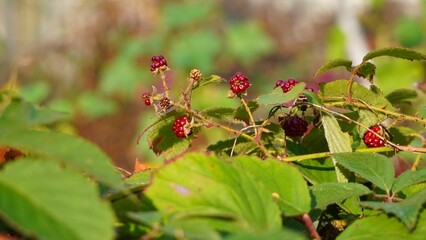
298 163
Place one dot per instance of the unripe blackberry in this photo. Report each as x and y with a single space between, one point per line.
158 63
239 83
146 98
372 140
164 103
195 74
294 126
181 127
287 86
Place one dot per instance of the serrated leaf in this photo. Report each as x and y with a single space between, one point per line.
283 181
367 70
409 178
216 190
400 96
337 141
241 113
312 97
43 200
334 64
70 150
218 112
407 210
317 170
403 135
403 53
328 193
277 96
213 79
375 168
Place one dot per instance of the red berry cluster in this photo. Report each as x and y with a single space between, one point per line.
157 63
239 83
146 98
372 140
181 127
294 126
286 85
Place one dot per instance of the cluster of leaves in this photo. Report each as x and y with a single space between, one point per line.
258 184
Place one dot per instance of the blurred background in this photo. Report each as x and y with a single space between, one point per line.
91 59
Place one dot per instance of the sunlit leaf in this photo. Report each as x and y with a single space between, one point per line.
409 178
278 97
403 53
334 64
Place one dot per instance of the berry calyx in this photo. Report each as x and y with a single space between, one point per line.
146 98
181 127
195 74
294 126
239 83
372 140
158 63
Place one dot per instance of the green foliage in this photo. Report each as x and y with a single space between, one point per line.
334 64
402 53
277 96
325 194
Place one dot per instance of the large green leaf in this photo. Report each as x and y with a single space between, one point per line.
281 179
334 64
223 113
406 210
204 186
71 150
409 178
337 141
318 170
328 193
44 200
277 96
242 114
402 95
403 53
371 166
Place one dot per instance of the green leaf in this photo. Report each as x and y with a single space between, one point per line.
403 53
401 96
376 228
375 168
272 235
182 14
95 106
283 181
367 70
277 96
318 170
70 150
43 200
241 113
409 178
334 64
328 193
204 186
312 97
337 141
223 113
213 79
407 210
403 135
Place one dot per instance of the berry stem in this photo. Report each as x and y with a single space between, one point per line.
310 226
351 80
163 79
250 115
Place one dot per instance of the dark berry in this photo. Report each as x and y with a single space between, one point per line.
239 83
158 63
287 86
279 83
294 126
372 140
164 103
181 127
146 98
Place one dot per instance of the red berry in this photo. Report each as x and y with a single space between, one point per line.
372 140
239 83
294 126
146 98
287 86
279 83
158 63
181 127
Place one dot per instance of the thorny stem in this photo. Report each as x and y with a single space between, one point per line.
416 163
250 114
310 226
351 80
163 79
387 198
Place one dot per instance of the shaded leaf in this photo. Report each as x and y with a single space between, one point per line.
409 178
367 70
373 167
403 53
282 180
312 97
70 150
334 64
277 96
407 210
213 79
318 170
241 113
328 193
403 135
218 112
402 95
230 198
43 200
